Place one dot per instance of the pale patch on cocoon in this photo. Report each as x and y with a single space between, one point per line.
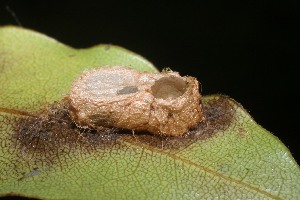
162 103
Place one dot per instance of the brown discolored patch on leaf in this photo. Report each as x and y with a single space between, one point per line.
50 136
218 113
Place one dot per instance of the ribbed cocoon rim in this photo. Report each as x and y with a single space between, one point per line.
162 103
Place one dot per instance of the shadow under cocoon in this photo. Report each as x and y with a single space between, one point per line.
52 135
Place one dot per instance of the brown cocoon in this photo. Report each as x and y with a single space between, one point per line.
162 103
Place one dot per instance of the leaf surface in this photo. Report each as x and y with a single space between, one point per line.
229 156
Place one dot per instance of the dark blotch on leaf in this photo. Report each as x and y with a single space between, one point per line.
218 113
51 136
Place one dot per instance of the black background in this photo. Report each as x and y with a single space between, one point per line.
247 50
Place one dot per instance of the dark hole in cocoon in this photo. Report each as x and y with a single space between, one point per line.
127 90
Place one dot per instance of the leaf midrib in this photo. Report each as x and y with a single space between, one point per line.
16 112
201 167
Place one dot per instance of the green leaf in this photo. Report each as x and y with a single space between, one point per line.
41 155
